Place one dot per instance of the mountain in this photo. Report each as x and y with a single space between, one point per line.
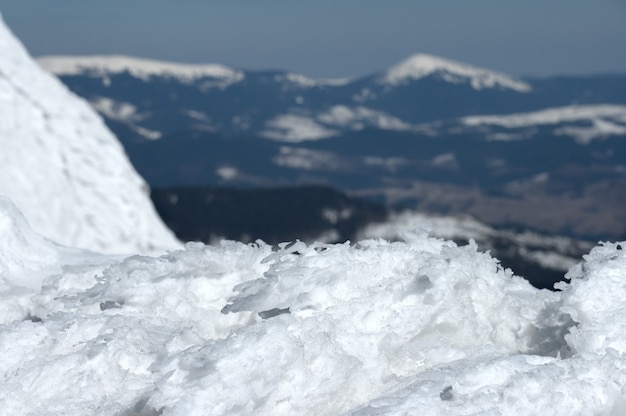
428 133
64 169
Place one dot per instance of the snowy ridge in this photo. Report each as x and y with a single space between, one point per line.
64 169
422 65
101 65
421 326
606 120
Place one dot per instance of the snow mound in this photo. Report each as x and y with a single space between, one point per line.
421 65
140 68
416 327
22 249
605 119
64 169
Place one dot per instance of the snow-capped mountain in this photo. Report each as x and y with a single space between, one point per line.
64 169
144 69
429 133
421 65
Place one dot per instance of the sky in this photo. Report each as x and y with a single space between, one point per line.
333 38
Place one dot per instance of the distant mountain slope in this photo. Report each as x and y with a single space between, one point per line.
64 169
426 133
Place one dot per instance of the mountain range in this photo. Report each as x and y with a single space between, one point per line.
428 133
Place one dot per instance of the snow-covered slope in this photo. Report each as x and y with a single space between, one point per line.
416 327
422 65
297 127
604 120
138 67
64 169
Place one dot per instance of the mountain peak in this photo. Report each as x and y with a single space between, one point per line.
422 65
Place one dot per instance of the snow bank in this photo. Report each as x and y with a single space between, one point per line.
64 169
415 327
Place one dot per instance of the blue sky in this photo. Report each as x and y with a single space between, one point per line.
339 38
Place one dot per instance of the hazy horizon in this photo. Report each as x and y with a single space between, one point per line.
330 40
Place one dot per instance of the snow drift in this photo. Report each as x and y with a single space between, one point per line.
415 327
64 169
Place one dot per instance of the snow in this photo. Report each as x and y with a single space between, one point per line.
64 169
306 159
295 128
539 249
421 326
116 110
360 117
303 81
605 119
300 126
104 65
227 173
422 65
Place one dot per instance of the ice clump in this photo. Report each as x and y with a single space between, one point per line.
64 169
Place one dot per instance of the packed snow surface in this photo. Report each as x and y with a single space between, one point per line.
537 248
421 326
102 65
603 120
64 169
422 65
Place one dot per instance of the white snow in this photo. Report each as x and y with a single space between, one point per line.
299 126
227 173
147 133
306 159
415 327
361 117
420 326
422 65
64 169
303 81
295 129
116 110
605 120
392 164
103 65
529 245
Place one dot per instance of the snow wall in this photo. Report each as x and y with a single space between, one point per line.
64 169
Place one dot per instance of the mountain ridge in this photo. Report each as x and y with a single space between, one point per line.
438 145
